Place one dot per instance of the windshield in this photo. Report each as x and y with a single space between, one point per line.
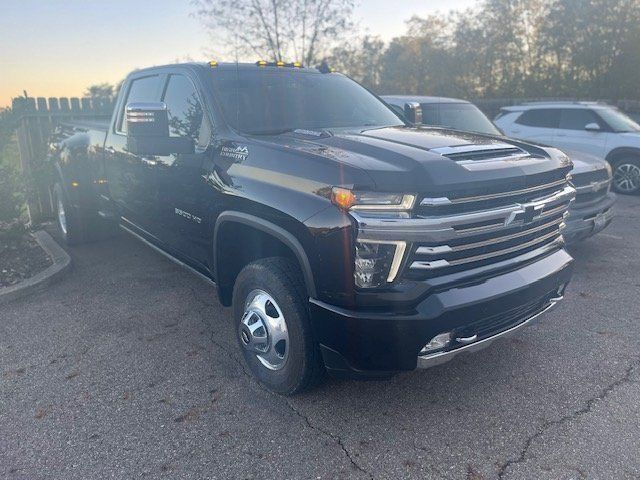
271 101
459 116
618 121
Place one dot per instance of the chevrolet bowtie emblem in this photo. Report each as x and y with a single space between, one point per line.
531 212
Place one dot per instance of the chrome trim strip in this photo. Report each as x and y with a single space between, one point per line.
594 186
491 241
470 148
433 202
440 263
447 227
433 359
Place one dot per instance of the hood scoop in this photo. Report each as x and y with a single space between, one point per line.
486 153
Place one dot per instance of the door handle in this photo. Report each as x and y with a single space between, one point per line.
467 340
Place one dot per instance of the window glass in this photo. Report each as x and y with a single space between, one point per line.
540 117
183 107
268 101
618 121
577 118
143 89
430 114
459 116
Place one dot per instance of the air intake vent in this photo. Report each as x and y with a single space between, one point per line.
496 151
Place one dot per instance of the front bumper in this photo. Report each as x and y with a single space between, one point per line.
585 221
380 341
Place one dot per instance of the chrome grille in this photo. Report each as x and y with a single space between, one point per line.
444 235
591 187
490 235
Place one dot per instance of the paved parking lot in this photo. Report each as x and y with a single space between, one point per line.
128 368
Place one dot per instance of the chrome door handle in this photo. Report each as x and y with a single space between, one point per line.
466 340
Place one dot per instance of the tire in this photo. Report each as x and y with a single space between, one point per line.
269 294
626 176
69 226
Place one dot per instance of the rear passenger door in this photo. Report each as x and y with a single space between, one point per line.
572 134
183 194
537 124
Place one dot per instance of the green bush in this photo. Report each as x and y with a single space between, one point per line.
11 189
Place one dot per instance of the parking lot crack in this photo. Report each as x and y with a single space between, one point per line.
547 425
335 438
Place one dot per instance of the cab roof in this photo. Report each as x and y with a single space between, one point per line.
422 99
555 104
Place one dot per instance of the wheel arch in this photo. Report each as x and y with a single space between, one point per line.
266 229
621 152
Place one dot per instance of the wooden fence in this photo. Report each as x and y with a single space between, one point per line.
36 118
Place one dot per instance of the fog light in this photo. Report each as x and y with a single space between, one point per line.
437 343
377 263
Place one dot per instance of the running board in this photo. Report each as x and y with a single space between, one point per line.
169 256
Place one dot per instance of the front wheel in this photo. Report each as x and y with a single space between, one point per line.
626 176
273 326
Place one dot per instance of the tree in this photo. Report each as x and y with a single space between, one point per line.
278 30
361 59
102 91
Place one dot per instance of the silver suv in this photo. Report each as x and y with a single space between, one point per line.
594 128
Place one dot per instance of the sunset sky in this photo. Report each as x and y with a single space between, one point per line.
58 48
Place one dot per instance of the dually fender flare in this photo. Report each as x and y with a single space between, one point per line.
286 237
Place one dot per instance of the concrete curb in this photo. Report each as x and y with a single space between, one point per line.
41 280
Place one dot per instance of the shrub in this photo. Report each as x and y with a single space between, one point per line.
11 191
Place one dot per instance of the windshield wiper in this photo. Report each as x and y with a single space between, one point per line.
279 131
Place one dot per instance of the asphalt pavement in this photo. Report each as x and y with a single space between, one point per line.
129 368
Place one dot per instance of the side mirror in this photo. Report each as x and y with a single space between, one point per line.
592 127
148 131
413 112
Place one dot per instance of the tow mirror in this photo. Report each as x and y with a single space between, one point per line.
592 127
148 131
413 112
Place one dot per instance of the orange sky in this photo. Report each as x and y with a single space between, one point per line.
59 47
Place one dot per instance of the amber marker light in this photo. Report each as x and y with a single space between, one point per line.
343 197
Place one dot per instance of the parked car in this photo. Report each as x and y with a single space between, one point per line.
594 128
345 238
590 213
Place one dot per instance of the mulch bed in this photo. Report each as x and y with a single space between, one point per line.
20 258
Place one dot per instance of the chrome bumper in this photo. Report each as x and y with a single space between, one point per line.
438 358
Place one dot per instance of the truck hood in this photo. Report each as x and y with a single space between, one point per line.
433 160
585 162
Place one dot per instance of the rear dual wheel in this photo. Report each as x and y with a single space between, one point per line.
69 226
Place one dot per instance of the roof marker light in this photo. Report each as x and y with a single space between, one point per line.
213 64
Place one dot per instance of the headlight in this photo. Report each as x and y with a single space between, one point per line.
609 169
372 201
376 262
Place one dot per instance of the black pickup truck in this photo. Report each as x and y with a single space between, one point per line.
347 239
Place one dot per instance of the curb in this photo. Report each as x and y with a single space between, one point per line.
41 280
